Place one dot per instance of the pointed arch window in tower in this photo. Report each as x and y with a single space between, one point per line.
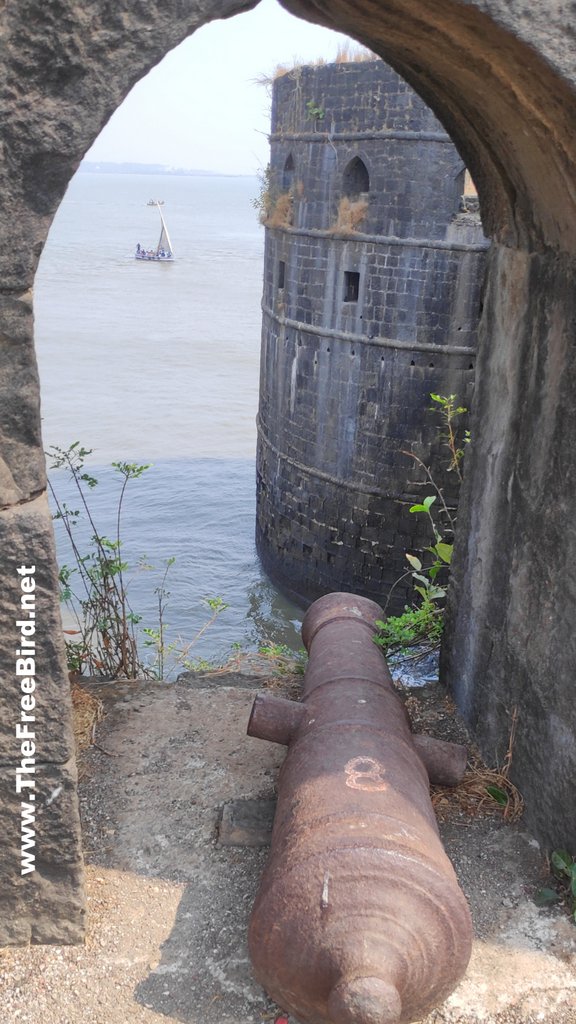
288 173
355 180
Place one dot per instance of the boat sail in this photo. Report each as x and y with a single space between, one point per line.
163 251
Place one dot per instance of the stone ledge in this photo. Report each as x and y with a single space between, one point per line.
247 823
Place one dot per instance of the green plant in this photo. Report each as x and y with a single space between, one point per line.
450 412
105 621
156 637
314 112
106 639
169 655
268 194
443 524
563 867
274 206
425 577
422 624
498 794
198 665
285 659
400 633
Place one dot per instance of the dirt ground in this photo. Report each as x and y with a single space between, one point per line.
168 906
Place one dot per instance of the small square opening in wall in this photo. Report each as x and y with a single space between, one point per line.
351 286
281 273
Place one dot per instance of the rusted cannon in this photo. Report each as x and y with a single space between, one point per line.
359 918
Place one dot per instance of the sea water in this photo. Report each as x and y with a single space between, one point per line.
158 363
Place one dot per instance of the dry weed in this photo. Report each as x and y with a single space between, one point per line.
483 791
472 796
87 711
284 683
280 215
351 213
345 54
348 54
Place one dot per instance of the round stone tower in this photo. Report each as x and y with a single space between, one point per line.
372 289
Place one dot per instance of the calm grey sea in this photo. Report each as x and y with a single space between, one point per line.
159 363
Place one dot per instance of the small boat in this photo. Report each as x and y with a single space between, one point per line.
163 251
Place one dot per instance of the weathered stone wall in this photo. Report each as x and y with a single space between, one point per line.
500 76
511 658
345 385
65 68
502 80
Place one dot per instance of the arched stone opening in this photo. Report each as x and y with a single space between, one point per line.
503 83
355 179
288 173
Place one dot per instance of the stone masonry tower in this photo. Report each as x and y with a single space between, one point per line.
373 270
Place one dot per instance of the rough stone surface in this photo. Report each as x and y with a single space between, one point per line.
47 904
26 539
512 654
168 907
345 385
247 823
65 67
503 82
501 79
22 465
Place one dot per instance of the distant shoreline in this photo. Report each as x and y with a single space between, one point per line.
108 167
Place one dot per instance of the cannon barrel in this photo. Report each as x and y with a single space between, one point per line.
359 918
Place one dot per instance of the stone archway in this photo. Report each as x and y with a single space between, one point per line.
503 83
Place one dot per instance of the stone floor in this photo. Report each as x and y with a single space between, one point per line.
169 904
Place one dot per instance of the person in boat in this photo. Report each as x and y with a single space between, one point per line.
138 247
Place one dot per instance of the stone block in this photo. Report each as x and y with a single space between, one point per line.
26 539
36 741
510 625
22 463
247 823
46 904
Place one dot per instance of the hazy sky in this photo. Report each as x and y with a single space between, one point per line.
200 107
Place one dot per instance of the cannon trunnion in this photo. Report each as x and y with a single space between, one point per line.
359 918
